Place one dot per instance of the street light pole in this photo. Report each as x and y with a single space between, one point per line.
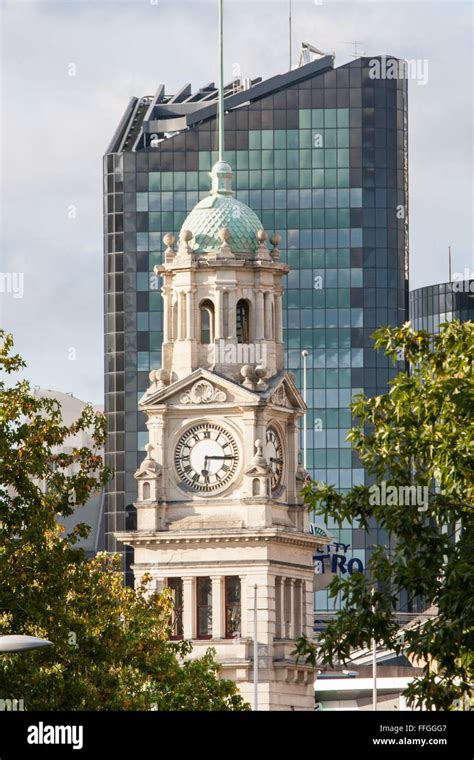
374 674
304 354
374 664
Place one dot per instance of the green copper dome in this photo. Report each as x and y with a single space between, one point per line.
221 210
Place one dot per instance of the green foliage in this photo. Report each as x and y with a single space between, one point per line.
111 647
420 432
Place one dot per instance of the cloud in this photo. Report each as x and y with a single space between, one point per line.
55 128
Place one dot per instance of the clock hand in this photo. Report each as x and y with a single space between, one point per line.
208 457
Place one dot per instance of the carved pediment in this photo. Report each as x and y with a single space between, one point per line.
203 392
285 394
280 398
202 387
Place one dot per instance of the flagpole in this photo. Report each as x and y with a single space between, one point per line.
221 81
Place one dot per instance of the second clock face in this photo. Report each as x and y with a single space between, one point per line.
206 457
274 454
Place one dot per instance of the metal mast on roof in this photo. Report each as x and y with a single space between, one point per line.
221 80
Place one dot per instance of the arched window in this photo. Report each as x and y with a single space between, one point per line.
243 321
255 487
206 311
146 491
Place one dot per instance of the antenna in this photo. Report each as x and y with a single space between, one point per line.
221 81
356 53
289 30
449 263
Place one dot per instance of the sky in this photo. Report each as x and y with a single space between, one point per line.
55 128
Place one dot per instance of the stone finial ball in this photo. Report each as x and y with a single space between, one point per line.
260 370
246 370
162 376
275 239
186 235
258 444
261 236
152 376
169 239
224 234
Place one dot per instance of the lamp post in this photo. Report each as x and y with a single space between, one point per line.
20 643
374 664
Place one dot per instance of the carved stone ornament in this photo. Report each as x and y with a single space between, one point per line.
203 392
279 398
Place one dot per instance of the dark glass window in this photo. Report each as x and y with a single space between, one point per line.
243 321
232 607
207 322
204 608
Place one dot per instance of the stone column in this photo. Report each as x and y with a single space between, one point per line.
278 319
298 608
189 608
232 331
303 606
268 316
166 314
259 316
218 631
277 607
189 314
291 632
282 608
218 316
308 611
181 315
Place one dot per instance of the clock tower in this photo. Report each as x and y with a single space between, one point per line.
220 518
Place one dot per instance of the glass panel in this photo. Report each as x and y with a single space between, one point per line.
243 322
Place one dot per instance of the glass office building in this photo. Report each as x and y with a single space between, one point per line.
435 304
320 154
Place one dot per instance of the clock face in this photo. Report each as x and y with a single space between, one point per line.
274 455
206 457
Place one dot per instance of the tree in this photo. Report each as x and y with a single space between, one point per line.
111 644
420 433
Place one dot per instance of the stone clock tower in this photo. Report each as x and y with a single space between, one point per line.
220 519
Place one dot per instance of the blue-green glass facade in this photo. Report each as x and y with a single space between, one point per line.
323 162
434 304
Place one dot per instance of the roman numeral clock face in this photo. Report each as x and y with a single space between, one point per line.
274 454
206 457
